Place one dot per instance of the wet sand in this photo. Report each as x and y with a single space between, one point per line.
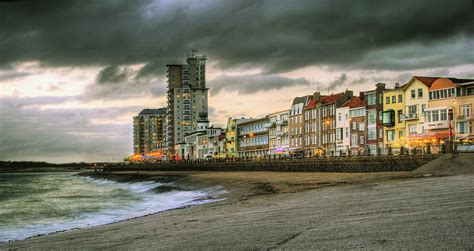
266 210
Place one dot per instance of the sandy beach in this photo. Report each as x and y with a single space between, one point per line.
267 210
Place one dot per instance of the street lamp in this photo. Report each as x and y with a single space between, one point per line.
328 122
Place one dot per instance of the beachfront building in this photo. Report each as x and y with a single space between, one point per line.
327 113
278 134
252 138
416 102
312 122
343 123
216 143
231 135
374 126
195 144
148 134
357 117
187 100
394 126
449 113
296 124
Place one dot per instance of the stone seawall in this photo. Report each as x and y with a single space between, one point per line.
344 164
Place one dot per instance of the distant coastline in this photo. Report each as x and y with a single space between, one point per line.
36 166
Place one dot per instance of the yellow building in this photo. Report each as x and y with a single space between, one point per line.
416 102
394 126
230 137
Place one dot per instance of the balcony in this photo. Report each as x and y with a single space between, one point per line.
464 117
281 134
281 122
410 116
268 125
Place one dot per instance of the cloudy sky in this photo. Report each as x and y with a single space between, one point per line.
73 73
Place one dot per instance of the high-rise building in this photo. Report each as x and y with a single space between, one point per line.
187 100
148 131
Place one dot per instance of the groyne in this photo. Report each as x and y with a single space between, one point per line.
342 164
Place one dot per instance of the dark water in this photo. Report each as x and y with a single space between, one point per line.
41 203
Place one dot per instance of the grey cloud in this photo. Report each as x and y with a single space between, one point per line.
249 84
273 35
113 74
61 135
9 75
341 80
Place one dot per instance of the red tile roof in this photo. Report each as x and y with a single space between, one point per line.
331 98
426 80
311 104
354 102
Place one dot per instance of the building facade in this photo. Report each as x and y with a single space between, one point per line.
394 126
187 100
449 113
252 138
278 133
374 126
357 118
296 124
231 135
343 123
416 102
148 133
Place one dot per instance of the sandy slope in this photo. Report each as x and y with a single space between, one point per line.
283 210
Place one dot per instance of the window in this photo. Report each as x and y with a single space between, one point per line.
380 98
371 133
381 133
400 98
394 99
444 115
339 116
354 125
399 114
465 110
412 109
361 140
339 134
387 100
389 118
412 129
423 108
371 99
390 136
420 93
361 126
462 127
413 94
354 140
469 91
372 120
435 115
400 134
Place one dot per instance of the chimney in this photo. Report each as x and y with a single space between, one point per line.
380 86
361 95
397 85
317 96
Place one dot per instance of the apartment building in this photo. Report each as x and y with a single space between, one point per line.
148 131
252 138
394 126
449 113
327 113
296 123
374 126
312 126
343 123
187 100
357 118
278 133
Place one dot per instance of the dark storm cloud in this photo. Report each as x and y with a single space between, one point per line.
113 74
249 84
277 36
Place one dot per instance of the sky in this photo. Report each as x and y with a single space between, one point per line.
74 73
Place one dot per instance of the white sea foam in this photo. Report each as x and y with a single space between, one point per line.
147 203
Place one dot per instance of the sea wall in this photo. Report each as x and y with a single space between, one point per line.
343 164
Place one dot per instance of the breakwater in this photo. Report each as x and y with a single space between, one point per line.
342 164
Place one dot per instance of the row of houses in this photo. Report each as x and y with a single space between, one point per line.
424 112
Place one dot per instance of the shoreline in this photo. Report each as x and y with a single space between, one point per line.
266 210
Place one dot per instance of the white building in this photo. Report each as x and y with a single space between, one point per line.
343 122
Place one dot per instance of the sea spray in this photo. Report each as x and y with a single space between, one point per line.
50 202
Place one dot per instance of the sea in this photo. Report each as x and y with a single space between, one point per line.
34 204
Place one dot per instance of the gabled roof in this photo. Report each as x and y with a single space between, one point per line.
355 102
299 100
428 81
